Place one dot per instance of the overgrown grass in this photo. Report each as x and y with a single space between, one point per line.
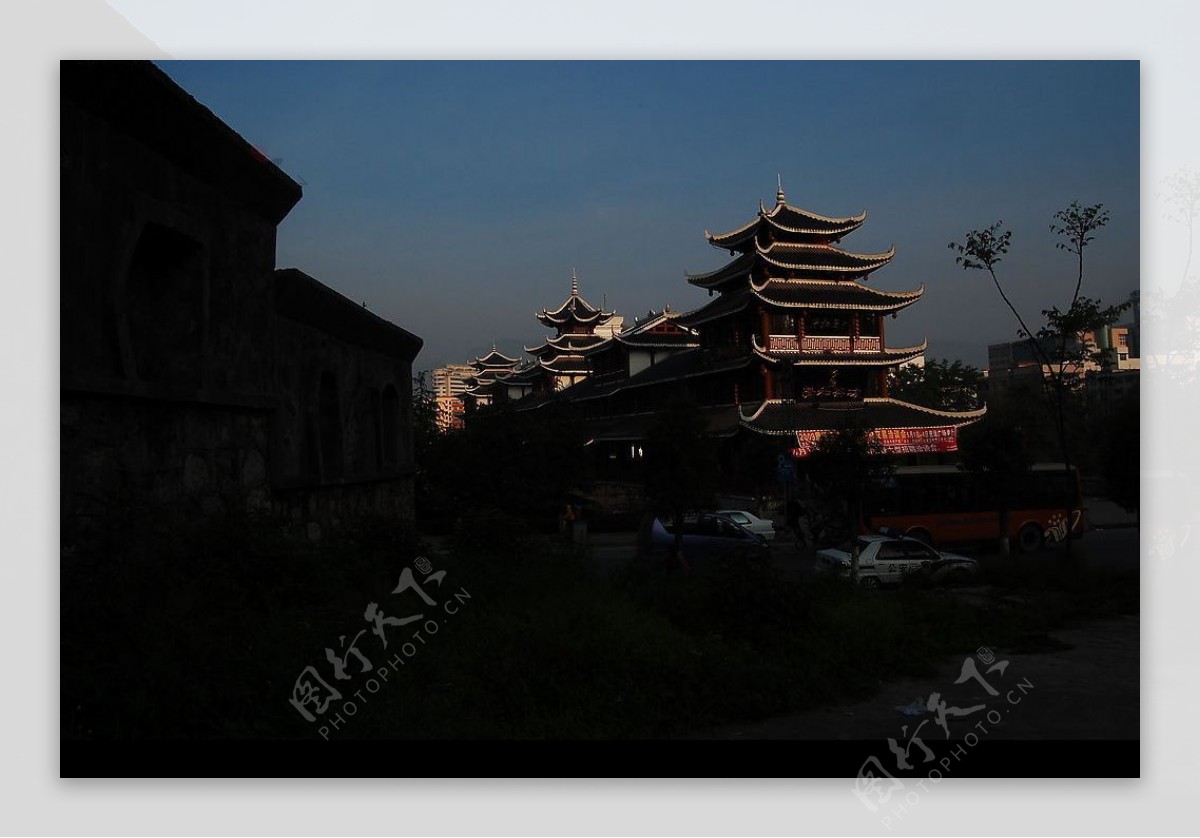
201 631
181 629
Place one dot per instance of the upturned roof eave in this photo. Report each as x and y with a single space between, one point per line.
837 227
868 406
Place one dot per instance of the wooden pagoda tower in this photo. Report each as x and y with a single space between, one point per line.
489 381
796 338
560 361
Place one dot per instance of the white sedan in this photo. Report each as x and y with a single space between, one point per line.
751 522
886 560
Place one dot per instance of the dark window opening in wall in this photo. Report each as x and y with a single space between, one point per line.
750 386
329 421
785 383
783 323
872 386
868 323
311 465
391 425
375 406
163 306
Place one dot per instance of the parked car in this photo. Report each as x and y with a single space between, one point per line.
950 570
708 538
751 522
887 560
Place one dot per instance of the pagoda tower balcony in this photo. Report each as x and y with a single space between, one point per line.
824 343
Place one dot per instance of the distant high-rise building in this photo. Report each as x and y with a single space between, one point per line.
449 384
1135 328
1115 349
1108 371
450 410
451 380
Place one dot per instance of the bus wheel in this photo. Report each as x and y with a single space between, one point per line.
1029 539
870 583
921 535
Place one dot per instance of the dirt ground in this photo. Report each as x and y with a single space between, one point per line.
1081 682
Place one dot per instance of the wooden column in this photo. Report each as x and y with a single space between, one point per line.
765 324
768 383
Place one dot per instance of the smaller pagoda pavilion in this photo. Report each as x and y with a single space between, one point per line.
489 383
560 361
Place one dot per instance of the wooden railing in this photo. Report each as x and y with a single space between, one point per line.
823 343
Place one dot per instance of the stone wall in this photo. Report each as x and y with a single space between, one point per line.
194 377
123 459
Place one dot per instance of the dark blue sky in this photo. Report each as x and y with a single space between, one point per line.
455 198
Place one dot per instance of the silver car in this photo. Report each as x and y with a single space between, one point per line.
751 522
707 537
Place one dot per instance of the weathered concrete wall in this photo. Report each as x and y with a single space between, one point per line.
342 436
318 508
194 377
164 280
123 459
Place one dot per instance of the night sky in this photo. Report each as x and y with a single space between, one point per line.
455 198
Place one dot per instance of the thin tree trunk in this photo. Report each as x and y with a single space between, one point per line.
1004 546
856 513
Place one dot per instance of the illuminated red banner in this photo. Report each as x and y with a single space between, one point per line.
893 440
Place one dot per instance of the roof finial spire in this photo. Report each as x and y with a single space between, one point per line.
779 197
574 284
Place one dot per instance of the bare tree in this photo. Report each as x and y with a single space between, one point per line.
1060 346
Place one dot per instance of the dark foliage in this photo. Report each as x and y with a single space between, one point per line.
1122 463
840 467
681 463
941 385
526 464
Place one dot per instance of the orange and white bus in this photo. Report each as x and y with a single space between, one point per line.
946 504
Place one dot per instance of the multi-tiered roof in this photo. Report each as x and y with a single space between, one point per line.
575 323
489 370
494 364
798 308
